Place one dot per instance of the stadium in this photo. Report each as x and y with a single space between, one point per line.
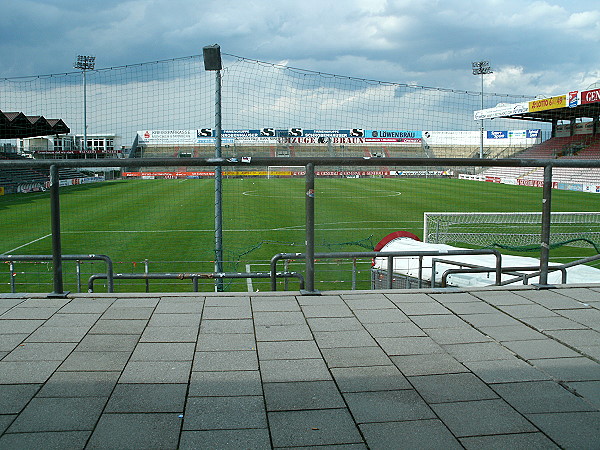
385 157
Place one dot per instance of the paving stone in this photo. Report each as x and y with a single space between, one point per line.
136 431
55 440
483 351
72 320
87 306
287 370
409 346
381 316
227 326
108 342
355 338
334 324
279 318
437 321
40 351
210 413
9 341
553 323
58 334
222 301
135 302
355 357
481 417
548 298
588 317
283 333
112 326
590 390
540 397
524 311
408 297
169 334
490 320
584 295
449 298
512 333
538 349
387 406
14 397
80 384
438 363
471 308
174 320
569 369
229 383
402 329
264 305
219 342
315 427
247 439
227 312
16 372
422 434
20 313
570 430
319 299
576 338
5 421
375 378
147 397
460 335
288 350
19 326
327 311
302 395
502 298
226 360
74 414
377 301
453 387
422 309
505 371
94 361
124 313
530 441
188 307
163 351
156 372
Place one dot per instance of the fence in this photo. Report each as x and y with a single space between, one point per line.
304 218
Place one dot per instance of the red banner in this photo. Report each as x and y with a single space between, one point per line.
592 96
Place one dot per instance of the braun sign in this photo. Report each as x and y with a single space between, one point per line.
592 96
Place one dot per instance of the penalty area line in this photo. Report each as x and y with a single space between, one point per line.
25 245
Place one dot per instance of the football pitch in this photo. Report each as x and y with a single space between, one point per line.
170 224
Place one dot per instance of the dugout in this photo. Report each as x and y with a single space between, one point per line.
409 273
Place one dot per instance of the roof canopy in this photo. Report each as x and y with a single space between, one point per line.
15 125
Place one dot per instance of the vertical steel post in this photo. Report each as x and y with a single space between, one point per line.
11 267
218 186
310 228
55 222
546 220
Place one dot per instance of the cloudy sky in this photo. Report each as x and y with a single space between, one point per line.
536 47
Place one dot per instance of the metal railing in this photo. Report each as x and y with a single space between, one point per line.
310 164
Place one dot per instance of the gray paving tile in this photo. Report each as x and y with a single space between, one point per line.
570 430
227 326
589 317
5 421
590 390
246 439
20 313
553 323
449 298
402 329
223 301
438 363
58 334
512 333
15 372
9 341
502 298
529 441
44 303
163 351
288 370
576 338
481 417
136 302
409 346
112 326
188 307
423 308
125 313
584 295
40 351
228 383
220 413
227 312
539 349
19 326
354 338
483 351
387 406
267 304
478 307
72 320
408 297
136 431
300 395
327 311
355 357
422 434
226 360
87 306
374 378
147 398
549 298
75 414
438 321
174 320
54 440
279 318
80 384
156 372
506 371
288 350
169 334
490 320
319 300
569 369
453 387
334 324
315 427
381 315
108 342
376 301
219 342
540 397
95 361
283 333
14 397
524 311
460 335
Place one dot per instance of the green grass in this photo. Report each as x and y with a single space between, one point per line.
171 222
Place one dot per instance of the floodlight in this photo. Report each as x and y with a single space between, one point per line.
212 57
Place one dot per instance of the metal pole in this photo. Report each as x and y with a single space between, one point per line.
481 144
56 244
12 277
84 112
310 227
546 220
218 187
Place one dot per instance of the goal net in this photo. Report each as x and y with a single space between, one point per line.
580 229
285 171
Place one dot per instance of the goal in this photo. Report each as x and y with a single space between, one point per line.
512 229
285 171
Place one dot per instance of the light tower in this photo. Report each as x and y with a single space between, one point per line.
85 63
481 68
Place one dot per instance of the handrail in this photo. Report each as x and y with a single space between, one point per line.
525 277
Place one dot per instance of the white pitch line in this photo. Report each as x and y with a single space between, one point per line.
249 280
25 245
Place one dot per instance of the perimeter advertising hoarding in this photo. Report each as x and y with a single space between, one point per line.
592 96
501 110
544 104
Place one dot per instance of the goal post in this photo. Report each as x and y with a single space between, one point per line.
285 171
510 228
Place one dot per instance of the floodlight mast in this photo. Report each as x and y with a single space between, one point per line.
481 68
85 63
212 61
